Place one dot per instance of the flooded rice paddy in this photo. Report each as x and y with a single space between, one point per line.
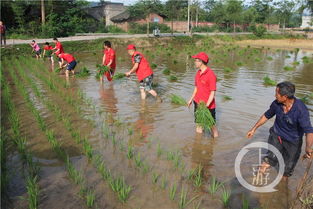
160 135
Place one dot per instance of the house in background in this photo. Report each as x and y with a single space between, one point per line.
307 19
104 11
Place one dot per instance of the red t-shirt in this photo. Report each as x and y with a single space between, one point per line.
144 70
48 48
110 55
205 83
58 45
67 57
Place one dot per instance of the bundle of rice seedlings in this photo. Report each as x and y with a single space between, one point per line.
268 81
288 68
84 72
175 99
101 69
173 78
204 117
166 71
118 76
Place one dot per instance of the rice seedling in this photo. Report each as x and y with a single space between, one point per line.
130 152
153 65
130 131
173 191
177 160
170 155
155 177
214 185
84 72
118 76
32 191
138 160
113 140
269 58
288 68
175 62
245 203
87 148
175 99
163 183
225 197
204 117
90 198
101 69
227 70
227 98
159 150
198 177
269 82
121 146
172 78
145 168
123 194
239 63
288 56
183 203
257 59
191 173
306 98
166 71
295 63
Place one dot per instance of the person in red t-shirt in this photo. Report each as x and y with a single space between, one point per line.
71 63
108 60
59 49
47 51
205 88
143 71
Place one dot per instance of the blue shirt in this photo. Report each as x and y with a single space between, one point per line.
291 125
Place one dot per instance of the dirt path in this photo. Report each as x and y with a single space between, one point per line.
305 44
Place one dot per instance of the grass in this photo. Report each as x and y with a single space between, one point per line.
118 76
204 117
214 185
84 72
172 78
288 68
225 197
166 71
269 82
173 191
175 99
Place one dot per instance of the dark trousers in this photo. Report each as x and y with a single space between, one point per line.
290 151
3 39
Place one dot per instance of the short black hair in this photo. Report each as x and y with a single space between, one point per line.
286 88
205 63
33 41
55 39
107 43
47 43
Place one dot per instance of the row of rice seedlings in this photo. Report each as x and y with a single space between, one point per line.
269 82
73 173
176 99
33 168
204 117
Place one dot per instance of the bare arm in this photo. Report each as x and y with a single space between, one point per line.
211 97
192 96
309 145
260 122
103 59
134 68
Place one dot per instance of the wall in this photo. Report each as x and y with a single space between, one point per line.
112 10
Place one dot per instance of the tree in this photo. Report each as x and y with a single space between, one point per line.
233 12
43 13
285 9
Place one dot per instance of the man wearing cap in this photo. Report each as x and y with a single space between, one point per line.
205 88
143 71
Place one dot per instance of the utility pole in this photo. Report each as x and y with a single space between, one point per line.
43 13
188 22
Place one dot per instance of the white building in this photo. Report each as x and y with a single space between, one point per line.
307 19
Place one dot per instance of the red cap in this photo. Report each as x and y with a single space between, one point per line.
131 46
201 56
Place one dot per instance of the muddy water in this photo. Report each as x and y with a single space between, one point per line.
173 126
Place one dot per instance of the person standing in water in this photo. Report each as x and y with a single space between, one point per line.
36 49
59 49
108 60
205 89
47 51
143 71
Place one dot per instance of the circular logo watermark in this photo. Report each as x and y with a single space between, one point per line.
258 176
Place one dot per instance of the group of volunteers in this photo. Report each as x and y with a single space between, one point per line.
64 59
292 116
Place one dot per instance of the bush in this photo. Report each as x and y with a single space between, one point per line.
114 29
136 28
259 31
206 29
